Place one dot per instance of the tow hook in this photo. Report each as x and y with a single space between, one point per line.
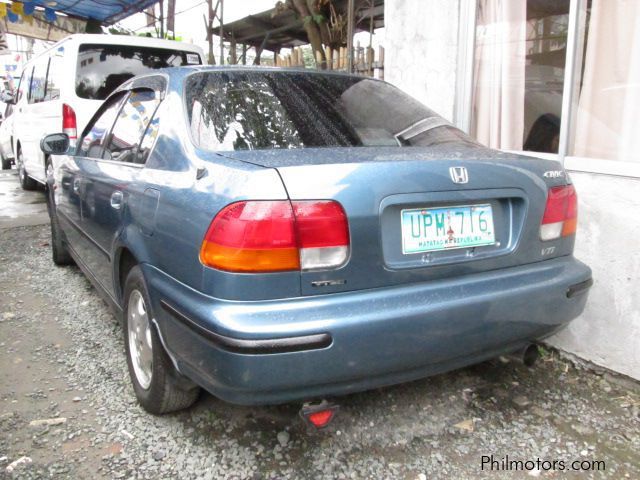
319 414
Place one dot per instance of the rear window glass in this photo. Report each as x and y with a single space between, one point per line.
267 110
103 68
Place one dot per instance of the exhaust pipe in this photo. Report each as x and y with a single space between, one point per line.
527 355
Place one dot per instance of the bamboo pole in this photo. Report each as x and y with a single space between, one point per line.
328 52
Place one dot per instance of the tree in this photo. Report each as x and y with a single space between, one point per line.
324 25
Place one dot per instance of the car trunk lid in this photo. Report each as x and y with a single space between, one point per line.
375 185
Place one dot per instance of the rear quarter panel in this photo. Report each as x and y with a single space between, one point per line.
187 205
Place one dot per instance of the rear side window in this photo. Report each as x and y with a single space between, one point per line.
103 68
39 81
25 82
131 124
92 143
53 79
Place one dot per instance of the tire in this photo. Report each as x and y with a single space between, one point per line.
154 378
6 162
59 251
26 182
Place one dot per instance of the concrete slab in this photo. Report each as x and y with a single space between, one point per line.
19 208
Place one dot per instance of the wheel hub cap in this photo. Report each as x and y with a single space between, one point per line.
140 346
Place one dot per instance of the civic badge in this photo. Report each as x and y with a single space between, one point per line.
459 174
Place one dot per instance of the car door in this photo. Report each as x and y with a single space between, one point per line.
76 202
6 131
21 112
34 116
115 181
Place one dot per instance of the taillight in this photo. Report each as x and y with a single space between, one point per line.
273 236
69 125
560 214
323 234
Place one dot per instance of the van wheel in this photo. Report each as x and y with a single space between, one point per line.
26 182
155 381
59 251
6 162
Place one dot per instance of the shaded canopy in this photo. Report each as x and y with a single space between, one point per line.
285 29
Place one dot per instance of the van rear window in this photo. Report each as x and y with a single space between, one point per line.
103 68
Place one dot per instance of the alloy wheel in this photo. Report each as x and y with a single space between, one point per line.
140 342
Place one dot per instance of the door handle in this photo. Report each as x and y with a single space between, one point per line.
116 200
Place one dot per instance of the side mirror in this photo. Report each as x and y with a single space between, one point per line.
55 144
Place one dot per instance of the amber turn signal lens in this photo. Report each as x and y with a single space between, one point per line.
249 260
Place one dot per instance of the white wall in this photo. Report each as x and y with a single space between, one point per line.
421 58
421 46
608 240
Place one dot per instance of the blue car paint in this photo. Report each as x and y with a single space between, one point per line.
393 319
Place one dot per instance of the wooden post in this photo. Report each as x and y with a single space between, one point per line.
244 53
381 61
329 54
370 60
350 27
234 58
221 16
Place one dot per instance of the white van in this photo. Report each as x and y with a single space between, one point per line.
61 89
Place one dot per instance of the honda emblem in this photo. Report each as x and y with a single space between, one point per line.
459 174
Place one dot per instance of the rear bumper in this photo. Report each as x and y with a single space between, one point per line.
293 349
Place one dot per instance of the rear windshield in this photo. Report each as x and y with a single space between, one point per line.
103 68
267 110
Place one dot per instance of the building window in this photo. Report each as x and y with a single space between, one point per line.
519 70
530 54
607 111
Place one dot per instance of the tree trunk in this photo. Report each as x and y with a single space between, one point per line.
325 35
313 32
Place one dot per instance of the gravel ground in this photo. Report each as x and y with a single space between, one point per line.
62 360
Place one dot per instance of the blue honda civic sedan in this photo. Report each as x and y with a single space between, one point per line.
282 235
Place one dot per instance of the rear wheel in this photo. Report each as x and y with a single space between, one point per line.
59 251
6 162
155 380
26 182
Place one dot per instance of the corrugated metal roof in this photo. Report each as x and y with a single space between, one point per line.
106 11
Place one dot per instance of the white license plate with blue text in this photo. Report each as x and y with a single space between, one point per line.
445 228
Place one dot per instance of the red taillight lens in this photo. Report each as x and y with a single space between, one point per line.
321 419
271 236
560 214
69 125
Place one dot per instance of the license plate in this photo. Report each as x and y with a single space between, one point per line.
445 228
